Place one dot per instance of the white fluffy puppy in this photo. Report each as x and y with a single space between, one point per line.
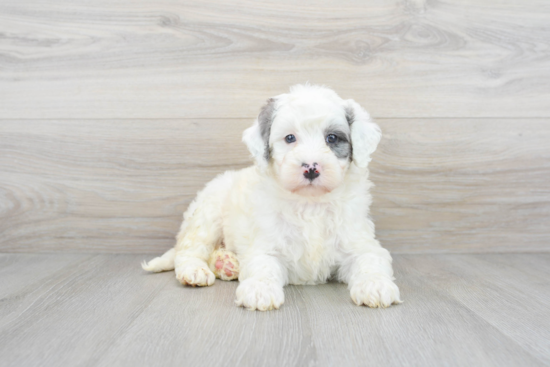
298 216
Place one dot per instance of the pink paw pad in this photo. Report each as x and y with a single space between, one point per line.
224 264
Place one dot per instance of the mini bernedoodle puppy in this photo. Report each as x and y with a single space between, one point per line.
300 215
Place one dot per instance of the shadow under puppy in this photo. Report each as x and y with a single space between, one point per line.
298 216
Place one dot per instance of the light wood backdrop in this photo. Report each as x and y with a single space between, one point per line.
113 114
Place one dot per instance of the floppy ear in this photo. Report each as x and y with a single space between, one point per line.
256 137
365 134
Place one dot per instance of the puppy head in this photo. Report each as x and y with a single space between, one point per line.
309 138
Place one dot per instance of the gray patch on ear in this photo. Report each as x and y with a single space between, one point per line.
265 120
342 148
350 115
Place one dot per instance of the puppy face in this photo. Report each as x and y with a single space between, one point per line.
310 143
309 137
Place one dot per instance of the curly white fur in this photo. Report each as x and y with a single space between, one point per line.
286 224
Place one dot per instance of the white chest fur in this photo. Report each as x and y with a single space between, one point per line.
310 242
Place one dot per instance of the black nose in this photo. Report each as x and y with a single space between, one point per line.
311 174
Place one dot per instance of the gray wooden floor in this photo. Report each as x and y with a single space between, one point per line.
459 310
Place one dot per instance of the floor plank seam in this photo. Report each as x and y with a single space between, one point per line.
71 270
125 327
493 326
448 295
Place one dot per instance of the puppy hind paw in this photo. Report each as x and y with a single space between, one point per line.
375 291
195 276
224 264
259 295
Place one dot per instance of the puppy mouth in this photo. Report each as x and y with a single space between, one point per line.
310 188
305 181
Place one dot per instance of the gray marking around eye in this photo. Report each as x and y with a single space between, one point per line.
342 148
265 120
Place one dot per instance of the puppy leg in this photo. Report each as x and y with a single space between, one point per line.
370 278
192 252
200 233
193 272
261 283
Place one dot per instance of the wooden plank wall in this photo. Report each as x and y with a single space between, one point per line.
113 114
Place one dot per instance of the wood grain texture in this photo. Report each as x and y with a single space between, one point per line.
103 310
114 114
19 289
446 185
219 59
429 328
207 328
505 291
74 315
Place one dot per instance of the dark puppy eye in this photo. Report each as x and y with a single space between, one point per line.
290 138
331 138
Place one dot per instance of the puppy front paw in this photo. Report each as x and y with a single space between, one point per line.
195 276
375 291
259 295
